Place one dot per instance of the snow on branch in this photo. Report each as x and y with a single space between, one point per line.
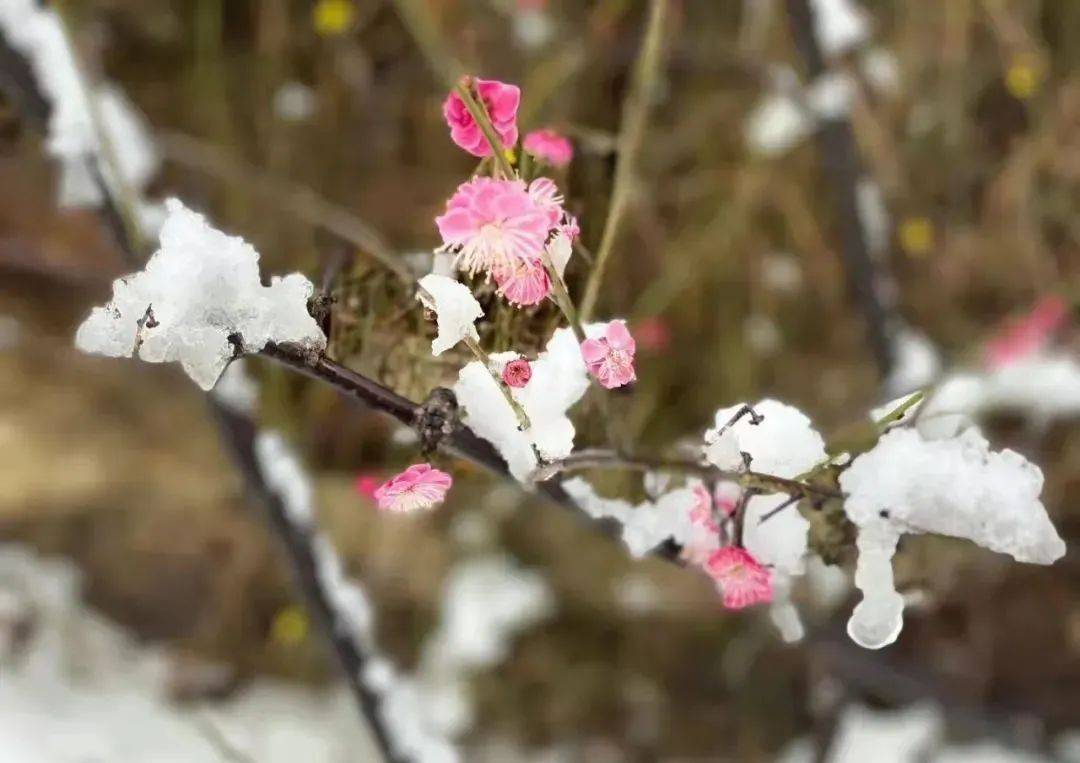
559 379
200 293
957 487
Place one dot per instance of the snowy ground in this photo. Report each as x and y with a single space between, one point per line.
74 688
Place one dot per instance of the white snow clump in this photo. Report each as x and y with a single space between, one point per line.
455 308
199 289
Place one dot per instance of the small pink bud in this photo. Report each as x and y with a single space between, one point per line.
549 146
517 373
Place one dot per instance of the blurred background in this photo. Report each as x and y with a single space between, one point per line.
147 614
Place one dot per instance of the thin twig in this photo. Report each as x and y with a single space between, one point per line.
635 114
597 458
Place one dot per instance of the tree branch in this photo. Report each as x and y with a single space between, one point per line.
842 171
238 432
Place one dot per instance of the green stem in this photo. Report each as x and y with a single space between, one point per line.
485 361
635 113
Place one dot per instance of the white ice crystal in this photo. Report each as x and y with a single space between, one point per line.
722 449
559 379
199 289
644 525
455 308
839 25
877 620
781 540
956 487
784 444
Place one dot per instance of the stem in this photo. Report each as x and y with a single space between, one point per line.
609 459
485 361
561 297
635 113
479 112
898 412
462 442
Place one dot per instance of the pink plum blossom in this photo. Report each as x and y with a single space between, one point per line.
365 486
501 101
525 282
549 146
418 487
702 511
517 373
545 194
493 225
610 359
741 579
1028 335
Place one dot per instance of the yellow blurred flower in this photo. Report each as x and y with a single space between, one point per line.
333 17
1024 77
290 627
510 156
917 236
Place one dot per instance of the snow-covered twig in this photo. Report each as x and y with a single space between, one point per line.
285 515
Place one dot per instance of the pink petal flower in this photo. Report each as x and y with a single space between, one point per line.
365 486
610 359
549 146
517 373
740 578
701 513
1029 335
501 101
493 225
525 283
418 487
545 194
